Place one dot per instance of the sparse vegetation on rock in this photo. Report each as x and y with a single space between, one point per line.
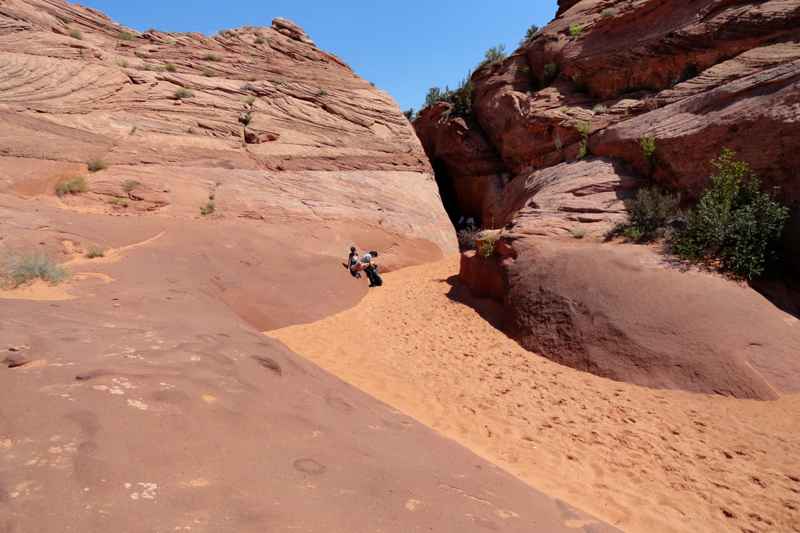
576 30
76 34
74 185
94 252
735 225
170 67
208 209
648 144
126 36
649 212
96 165
21 269
130 185
183 94
494 55
530 34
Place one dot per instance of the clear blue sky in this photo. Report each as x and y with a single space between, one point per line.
404 47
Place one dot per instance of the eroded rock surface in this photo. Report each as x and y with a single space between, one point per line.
565 115
140 394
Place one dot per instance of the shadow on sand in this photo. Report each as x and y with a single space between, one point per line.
488 309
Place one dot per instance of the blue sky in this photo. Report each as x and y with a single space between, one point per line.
404 47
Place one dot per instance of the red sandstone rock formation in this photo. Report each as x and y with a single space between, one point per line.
140 395
695 76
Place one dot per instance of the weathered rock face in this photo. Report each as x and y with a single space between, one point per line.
288 128
565 115
141 394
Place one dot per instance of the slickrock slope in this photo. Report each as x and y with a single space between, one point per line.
694 76
139 395
286 128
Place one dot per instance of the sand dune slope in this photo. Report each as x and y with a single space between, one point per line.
645 460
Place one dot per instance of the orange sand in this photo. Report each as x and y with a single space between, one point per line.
645 460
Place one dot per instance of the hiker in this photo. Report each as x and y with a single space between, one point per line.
371 269
353 263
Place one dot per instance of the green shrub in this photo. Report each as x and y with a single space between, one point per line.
648 144
260 40
599 109
208 208
632 233
76 34
96 165
170 67
532 32
650 210
74 185
410 114
183 93
212 57
460 98
19 270
209 73
94 252
608 13
130 185
118 202
584 128
494 54
735 224
126 36
576 30
486 242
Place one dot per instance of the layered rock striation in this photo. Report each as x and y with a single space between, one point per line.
553 147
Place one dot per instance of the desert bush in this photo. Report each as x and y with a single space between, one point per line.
118 202
170 67
94 252
96 165
532 32
122 63
608 12
460 98
735 224
410 114
183 93
126 36
74 185
599 109
208 208
18 270
584 128
250 100
76 34
494 54
576 30
260 40
650 211
130 185
486 242
648 144
212 57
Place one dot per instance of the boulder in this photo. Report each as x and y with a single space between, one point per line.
623 312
